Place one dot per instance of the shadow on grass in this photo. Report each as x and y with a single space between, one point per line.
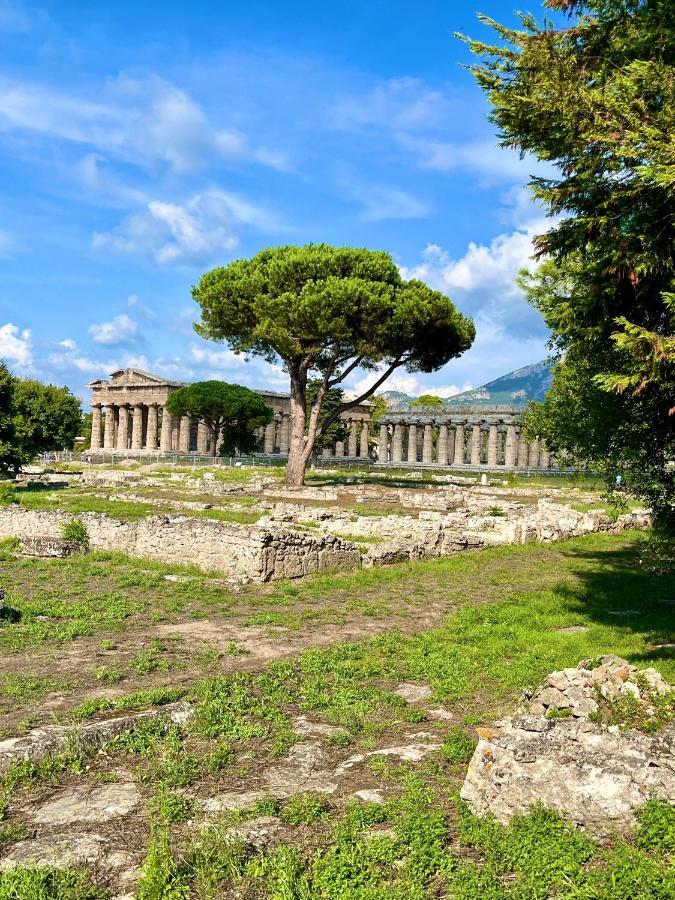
617 591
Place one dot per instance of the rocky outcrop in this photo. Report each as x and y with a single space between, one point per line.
596 775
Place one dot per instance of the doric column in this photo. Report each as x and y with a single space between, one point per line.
451 445
151 434
475 445
175 433
492 446
442 446
544 457
95 443
285 433
397 444
510 446
184 434
123 429
382 450
137 428
428 445
269 438
203 439
353 437
167 432
109 434
522 451
533 454
412 443
363 440
339 448
459 446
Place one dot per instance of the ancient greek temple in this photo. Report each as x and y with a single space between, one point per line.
463 436
129 415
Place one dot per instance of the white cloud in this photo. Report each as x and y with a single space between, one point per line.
380 202
399 103
16 347
119 330
68 344
141 121
216 359
193 232
483 267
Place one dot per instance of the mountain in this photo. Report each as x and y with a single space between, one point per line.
395 398
514 389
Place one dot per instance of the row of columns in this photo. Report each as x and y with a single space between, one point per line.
275 437
146 427
461 444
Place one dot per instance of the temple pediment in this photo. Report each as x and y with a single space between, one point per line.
137 377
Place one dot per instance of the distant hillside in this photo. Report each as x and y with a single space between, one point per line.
515 389
395 398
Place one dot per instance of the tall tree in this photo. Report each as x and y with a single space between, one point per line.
597 99
230 410
324 312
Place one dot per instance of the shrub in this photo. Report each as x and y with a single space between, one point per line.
7 494
75 530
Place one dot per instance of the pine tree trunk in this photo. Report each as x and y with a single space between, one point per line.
297 459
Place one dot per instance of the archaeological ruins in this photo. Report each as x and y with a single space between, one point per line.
130 417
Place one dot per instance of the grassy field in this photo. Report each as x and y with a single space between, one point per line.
475 628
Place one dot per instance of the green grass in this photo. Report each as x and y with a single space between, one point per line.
419 844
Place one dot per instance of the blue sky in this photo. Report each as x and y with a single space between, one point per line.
143 143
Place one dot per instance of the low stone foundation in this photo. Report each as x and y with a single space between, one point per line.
241 552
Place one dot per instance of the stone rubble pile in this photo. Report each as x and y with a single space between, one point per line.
595 775
575 691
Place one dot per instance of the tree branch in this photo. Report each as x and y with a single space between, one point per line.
349 404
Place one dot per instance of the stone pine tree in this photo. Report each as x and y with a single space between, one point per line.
596 98
326 312
230 410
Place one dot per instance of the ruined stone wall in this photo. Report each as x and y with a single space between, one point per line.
238 551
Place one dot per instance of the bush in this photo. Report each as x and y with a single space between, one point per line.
75 530
7 494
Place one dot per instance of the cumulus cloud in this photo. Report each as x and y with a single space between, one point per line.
192 232
16 347
119 330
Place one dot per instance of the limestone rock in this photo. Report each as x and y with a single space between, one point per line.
89 804
588 774
597 776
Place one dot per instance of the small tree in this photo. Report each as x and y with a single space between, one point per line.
228 409
427 400
337 430
46 417
10 458
327 311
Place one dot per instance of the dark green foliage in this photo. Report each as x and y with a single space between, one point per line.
10 457
427 400
337 429
46 417
325 311
75 530
597 99
656 830
230 410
